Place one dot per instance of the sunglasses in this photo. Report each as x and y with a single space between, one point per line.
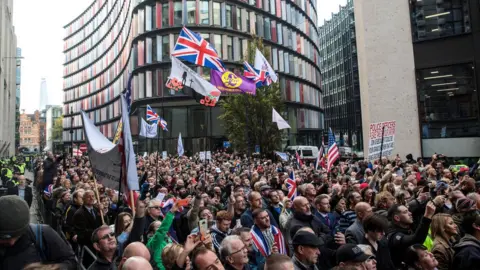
156 207
106 236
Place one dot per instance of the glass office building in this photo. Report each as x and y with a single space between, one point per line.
139 39
340 82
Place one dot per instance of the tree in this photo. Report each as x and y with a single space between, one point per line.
57 130
248 119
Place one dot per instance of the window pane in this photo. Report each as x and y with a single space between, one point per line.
166 48
266 28
165 15
228 15
204 13
177 14
216 13
217 43
239 18
191 12
230 48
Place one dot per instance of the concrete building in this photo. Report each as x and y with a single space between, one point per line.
18 82
8 67
418 65
340 82
43 94
30 131
140 40
51 115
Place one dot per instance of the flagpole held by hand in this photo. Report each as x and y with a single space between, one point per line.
98 198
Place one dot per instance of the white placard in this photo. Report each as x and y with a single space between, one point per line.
164 154
375 139
160 197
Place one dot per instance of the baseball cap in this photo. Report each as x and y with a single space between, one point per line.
304 238
351 253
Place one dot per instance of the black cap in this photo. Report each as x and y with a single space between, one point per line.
351 253
304 238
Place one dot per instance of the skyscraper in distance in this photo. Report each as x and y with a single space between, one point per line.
43 94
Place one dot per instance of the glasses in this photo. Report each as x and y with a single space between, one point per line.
156 207
240 250
107 236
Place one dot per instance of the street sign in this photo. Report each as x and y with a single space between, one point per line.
226 144
257 149
83 147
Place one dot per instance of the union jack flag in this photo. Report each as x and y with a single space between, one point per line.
265 244
193 48
257 76
151 115
163 124
291 186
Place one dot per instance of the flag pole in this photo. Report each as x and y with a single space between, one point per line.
381 144
98 198
158 152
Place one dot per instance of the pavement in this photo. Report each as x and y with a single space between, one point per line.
35 216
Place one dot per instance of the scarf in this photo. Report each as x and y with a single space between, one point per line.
265 244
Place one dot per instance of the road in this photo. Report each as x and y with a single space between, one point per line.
34 210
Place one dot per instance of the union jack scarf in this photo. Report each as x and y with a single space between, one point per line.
264 245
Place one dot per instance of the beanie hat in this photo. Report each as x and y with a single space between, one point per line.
18 214
465 205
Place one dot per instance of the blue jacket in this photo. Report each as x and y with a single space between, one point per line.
467 253
332 223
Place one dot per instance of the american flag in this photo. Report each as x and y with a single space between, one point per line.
332 153
151 115
193 48
257 76
291 186
320 160
163 124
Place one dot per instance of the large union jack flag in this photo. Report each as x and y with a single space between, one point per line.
152 116
291 186
257 76
193 48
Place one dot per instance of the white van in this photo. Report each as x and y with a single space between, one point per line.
306 152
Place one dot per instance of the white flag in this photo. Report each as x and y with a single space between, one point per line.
180 145
277 118
131 166
261 63
148 130
181 76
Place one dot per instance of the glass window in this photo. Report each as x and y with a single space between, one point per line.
228 16
448 102
266 29
165 15
259 25
148 18
166 48
217 43
204 13
438 18
177 14
266 5
230 48
248 22
216 13
206 37
191 9
153 16
239 18
240 48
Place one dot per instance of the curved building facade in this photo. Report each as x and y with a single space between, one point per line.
289 30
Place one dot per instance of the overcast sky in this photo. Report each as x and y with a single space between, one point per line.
39 29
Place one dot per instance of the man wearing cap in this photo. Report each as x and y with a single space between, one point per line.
19 245
306 251
352 255
22 190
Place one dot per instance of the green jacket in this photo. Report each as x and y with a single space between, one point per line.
159 240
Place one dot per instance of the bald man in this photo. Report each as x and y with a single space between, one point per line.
22 190
135 263
135 249
355 233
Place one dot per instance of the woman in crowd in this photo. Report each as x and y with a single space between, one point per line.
443 231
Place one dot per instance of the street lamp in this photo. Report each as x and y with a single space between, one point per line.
71 128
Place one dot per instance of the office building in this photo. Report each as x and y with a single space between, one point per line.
340 82
96 71
418 65
8 67
18 82
43 94
52 113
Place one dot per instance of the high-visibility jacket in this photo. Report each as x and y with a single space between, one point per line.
22 168
27 159
8 173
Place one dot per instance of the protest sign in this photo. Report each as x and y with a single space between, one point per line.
375 139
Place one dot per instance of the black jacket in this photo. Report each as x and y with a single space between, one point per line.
69 226
382 254
299 221
24 252
467 253
84 225
102 264
49 171
399 239
28 194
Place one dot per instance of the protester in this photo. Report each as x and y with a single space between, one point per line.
350 255
22 190
419 258
443 231
467 250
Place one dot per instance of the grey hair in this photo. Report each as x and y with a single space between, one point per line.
226 246
151 202
302 188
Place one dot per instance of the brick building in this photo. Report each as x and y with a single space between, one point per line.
30 131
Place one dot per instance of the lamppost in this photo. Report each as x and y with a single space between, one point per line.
71 128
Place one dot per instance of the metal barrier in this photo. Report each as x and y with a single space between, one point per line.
81 255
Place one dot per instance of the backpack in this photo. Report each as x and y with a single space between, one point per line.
37 230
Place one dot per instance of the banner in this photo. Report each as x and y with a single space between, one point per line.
182 76
130 162
276 118
148 130
180 150
375 139
104 155
261 63
202 155
230 83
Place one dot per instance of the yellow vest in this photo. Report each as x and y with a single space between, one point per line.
428 241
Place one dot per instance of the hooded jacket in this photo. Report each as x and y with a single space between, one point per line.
467 253
218 236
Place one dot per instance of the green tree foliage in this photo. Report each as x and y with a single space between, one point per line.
57 130
248 119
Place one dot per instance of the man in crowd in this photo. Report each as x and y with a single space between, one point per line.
105 243
350 255
324 214
22 190
467 250
266 238
205 259
306 250
279 262
255 200
86 220
221 229
234 253
355 233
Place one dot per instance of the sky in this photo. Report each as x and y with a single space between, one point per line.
39 30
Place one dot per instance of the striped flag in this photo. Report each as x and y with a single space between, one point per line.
299 160
332 153
291 186
319 157
152 116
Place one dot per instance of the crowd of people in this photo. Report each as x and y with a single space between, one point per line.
238 212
